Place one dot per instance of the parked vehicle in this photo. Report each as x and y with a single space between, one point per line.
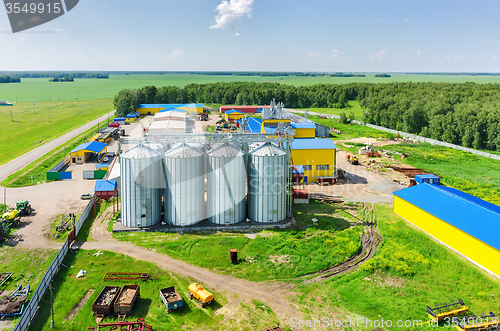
197 291
171 298
106 159
24 207
110 154
86 196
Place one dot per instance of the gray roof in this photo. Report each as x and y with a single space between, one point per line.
184 151
268 150
226 150
140 152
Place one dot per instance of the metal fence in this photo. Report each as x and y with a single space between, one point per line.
32 306
404 134
60 165
83 216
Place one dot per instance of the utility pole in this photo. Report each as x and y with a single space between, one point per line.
50 106
34 107
51 306
5 197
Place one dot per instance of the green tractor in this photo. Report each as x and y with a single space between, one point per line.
24 207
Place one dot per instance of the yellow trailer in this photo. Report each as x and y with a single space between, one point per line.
204 297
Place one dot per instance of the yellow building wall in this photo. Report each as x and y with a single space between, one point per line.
305 133
315 157
471 247
193 109
234 116
144 111
80 154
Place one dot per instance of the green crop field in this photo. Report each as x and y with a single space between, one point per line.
40 89
29 130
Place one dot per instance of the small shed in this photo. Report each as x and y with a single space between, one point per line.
304 130
81 153
5 103
428 178
102 166
105 189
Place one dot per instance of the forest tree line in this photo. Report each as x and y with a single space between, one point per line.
466 114
9 79
53 74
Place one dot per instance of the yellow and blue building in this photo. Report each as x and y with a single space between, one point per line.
464 223
81 153
316 156
234 115
151 109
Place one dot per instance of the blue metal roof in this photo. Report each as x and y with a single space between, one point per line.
311 143
232 111
474 216
254 124
92 146
119 119
303 125
300 169
131 116
102 165
172 108
105 185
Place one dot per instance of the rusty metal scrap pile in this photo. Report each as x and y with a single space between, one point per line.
9 306
107 297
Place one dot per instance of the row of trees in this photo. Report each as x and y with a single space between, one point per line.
465 114
9 79
58 74
63 79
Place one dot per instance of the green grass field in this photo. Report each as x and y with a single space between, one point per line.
280 254
40 89
409 272
29 130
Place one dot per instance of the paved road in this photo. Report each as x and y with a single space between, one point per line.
23 160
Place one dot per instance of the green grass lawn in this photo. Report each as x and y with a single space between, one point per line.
31 130
36 172
473 174
409 272
40 89
354 107
280 254
350 131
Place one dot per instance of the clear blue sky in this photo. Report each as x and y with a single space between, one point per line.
267 35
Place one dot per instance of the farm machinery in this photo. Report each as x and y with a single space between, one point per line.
352 159
137 325
12 217
477 322
198 292
447 310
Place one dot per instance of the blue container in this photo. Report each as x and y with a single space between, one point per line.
428 178
171 298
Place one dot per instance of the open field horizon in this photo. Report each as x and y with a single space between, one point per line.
40 89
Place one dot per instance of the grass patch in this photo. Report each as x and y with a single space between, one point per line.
280 254
51 232
409 272
36 172
29 130
84 234
71 290
473 174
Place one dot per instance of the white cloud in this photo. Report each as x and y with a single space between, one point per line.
238 34
405 20
495 59
312 56
175 54
57 30
231 12
450 59
378 56
419 52
379 20
335 54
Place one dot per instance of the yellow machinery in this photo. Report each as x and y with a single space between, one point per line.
447 309
472 322
204 297
352 159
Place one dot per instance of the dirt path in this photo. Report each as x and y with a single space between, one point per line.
278 296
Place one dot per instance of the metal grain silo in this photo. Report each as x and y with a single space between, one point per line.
185 192
140 173
226 181
267 184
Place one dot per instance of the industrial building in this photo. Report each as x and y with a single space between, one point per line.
464 223
224 179
84 151
233 115
316 156
151 109
243 109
